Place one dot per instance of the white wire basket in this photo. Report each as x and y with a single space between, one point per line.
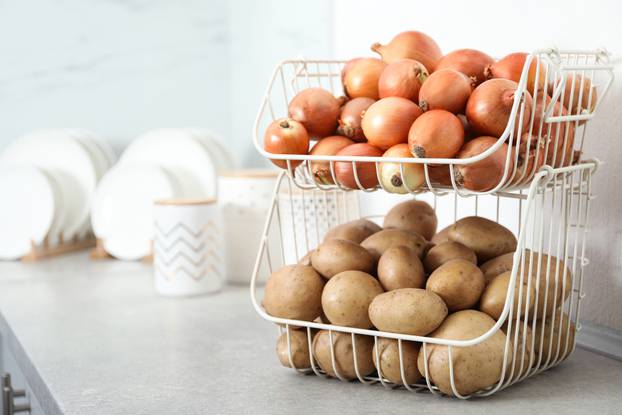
555 139
550 221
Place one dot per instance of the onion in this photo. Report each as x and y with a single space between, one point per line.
439 174
511 67
436 134
317 109
328 146
468 131
470 62
411 45
361 77
528 162
574 84
402 78
560 135
352 116
387 121
487 173
366 171
346 68
391 174
286 136
446 89
490 106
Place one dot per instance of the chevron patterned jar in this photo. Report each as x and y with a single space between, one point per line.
188 258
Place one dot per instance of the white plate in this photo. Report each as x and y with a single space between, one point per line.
214 145
26 210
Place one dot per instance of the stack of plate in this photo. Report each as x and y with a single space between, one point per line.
47 179
161 164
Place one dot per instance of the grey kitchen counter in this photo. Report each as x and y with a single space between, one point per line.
94 338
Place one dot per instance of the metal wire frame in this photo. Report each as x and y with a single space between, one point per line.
554 131
552 221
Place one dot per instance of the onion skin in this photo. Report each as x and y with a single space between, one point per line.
440 174
485 174
328 146
528 162
402 78
317 109
410 45
436 134
346 68
352 116
490 106
511 67
559 135
387 121
390 173
579 81
286 136
361 77
446 89
366 171
470 62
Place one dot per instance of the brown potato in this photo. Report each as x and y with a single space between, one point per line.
379 242
407 311
294 292
344 354
441 236
493 298
497 265
559 282
551 344
306 260
347 297
415 216
338 255
446 251
523 341
388 352
486 238
354 231
299 347
400 267
458 282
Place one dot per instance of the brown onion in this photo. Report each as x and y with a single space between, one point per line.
402 78
352 116
436 134
328 146
361 78
470 62
411 45
530 161
485 174
490 106
317 109
446 89
574 84
439 174
387 121
365 171
346 68
286 136
391 173
560 135
511 67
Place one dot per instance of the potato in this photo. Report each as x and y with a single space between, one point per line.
475 367
524 342
551 344
338 255
415 216
299 349
486 238
344 354
493 298
306 260
407 311
354 231
458 282
400 267
379 242
497 265
558 275
446 251
441 236
388 352
294 292
347 296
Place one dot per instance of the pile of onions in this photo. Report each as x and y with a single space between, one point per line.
365 171
391 177
530 158
286 136
410 45
436 134
446 89
511 67
402 78
560 135
470 62
317 109
360 77
387 121
352 116
328 146
487 173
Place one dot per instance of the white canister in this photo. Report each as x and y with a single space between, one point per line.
187 248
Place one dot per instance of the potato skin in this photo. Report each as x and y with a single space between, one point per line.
523 360
379 242
441 236
492 301
400 267
299 349
446 251
294 292
388 351
344 354
559 275
553 342
338 255
413 215
458 282
347 296
486 238
306 260
354 231
407 311
497 265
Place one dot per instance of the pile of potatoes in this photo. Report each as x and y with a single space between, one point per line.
406 278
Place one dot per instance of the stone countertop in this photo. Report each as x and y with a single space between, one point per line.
94 338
